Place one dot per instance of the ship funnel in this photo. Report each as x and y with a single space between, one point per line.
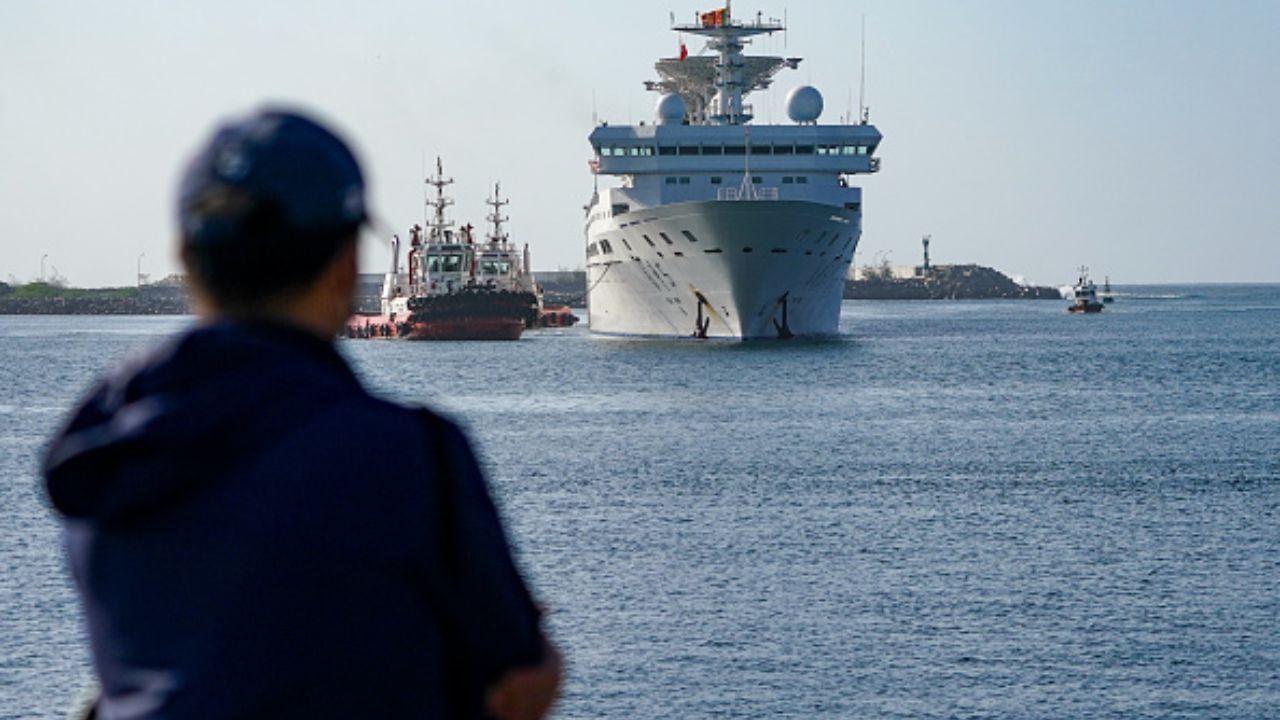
395 254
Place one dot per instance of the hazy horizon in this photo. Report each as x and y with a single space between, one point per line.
1131 138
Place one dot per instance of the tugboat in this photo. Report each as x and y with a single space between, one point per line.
455 288
1084 295
1106 290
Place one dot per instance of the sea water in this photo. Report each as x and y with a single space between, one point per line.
954 509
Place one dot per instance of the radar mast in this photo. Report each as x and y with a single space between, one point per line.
496 218
438 225
715 87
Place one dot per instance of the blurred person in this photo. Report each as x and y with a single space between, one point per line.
251 533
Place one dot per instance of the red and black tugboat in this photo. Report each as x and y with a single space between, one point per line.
456 288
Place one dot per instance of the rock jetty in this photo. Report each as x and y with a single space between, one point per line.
45 299
945 282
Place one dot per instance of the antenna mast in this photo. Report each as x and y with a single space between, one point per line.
496 217
863 111
439 226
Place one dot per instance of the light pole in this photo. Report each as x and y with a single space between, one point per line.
42 259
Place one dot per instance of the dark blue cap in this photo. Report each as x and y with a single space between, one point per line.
294 163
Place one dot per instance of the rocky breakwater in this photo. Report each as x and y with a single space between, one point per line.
944 282
45 299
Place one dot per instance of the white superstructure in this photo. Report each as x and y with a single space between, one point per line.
718 227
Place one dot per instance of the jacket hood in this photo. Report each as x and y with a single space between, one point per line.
165 424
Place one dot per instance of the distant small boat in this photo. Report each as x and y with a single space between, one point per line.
1084 295
1106 290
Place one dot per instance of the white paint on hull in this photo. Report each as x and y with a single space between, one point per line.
747 256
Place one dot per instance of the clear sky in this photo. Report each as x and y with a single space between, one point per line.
1137 137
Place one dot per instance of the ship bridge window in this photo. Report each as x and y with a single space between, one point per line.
802 180
452 263
689 235
828 149
783 150
853 206
620 208
666 149
788 180
490 267
646 239
804 149
433 263
684 181
761 150
715 180
756 179
665 238
735 150
851 150
713 150
671 180
688 149
605 247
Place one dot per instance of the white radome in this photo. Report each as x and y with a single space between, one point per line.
670 109
804 104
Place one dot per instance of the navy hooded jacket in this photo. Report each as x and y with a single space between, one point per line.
254 535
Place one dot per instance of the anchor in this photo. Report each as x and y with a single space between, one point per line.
784 330
700 324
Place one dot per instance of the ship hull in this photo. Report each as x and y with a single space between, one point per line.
753 269
467 329
468 314
471 314
1093 307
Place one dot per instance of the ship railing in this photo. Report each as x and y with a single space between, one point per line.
730 193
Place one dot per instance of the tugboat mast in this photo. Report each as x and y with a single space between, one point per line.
438 226
496 218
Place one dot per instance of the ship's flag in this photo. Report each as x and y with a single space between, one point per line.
684 51
715 18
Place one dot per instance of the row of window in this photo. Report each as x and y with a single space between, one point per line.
452 262
648 150
836 255
444 263
755 180
603 246
599 247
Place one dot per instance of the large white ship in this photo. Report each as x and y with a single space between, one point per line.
719 227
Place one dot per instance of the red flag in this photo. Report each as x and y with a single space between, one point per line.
684 51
